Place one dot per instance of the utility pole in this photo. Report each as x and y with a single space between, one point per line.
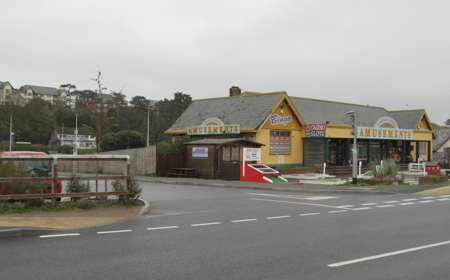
10 133
354 150
148 126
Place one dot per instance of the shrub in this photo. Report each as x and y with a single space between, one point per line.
385 172
76 186
135 190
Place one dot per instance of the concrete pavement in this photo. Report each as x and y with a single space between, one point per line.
22 226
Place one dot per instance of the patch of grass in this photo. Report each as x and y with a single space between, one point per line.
359 183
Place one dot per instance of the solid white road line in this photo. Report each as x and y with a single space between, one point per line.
309 214
242 221
59 235
294 202
278 217
388 254
295 196
114 231
156 228
206 224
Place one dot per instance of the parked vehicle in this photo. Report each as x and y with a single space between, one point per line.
41 168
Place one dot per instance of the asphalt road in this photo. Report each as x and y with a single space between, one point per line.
216 233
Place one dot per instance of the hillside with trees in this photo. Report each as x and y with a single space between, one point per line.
105 114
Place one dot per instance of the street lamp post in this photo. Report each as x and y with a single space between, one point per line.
76 134
10 133
148 125
354 150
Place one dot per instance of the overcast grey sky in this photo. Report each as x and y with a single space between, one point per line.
390 54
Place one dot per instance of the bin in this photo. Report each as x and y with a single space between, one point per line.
433 167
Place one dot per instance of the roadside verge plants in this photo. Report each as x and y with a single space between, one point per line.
135 190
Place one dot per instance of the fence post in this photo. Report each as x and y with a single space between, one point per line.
54 180
127 180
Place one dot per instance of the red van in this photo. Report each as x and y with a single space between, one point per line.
37 168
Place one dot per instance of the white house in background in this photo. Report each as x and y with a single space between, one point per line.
66 136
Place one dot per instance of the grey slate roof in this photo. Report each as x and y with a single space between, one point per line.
42 90
250 111
443 135
315 111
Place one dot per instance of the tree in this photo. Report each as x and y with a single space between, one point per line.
126 139
118 99
167 112
69 88
140 102
36 122
447 123
84 97
101 123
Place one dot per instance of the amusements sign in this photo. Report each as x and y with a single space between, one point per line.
315 130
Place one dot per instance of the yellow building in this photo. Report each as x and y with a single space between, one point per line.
299 131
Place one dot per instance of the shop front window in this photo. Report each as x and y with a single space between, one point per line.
280 141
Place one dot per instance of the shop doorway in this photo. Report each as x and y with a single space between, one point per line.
337 152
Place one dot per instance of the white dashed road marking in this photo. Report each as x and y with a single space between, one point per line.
59 235
243 221
385 206
206 224
156 228
114 231
278 217
309 214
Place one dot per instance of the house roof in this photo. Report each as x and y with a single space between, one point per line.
42 90
221 141
248 109
315 111
443 135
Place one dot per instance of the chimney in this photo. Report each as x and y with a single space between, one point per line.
235 91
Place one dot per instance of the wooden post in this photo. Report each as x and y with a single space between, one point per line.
127 180
54 180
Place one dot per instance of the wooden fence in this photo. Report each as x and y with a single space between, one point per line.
142 161
123 162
